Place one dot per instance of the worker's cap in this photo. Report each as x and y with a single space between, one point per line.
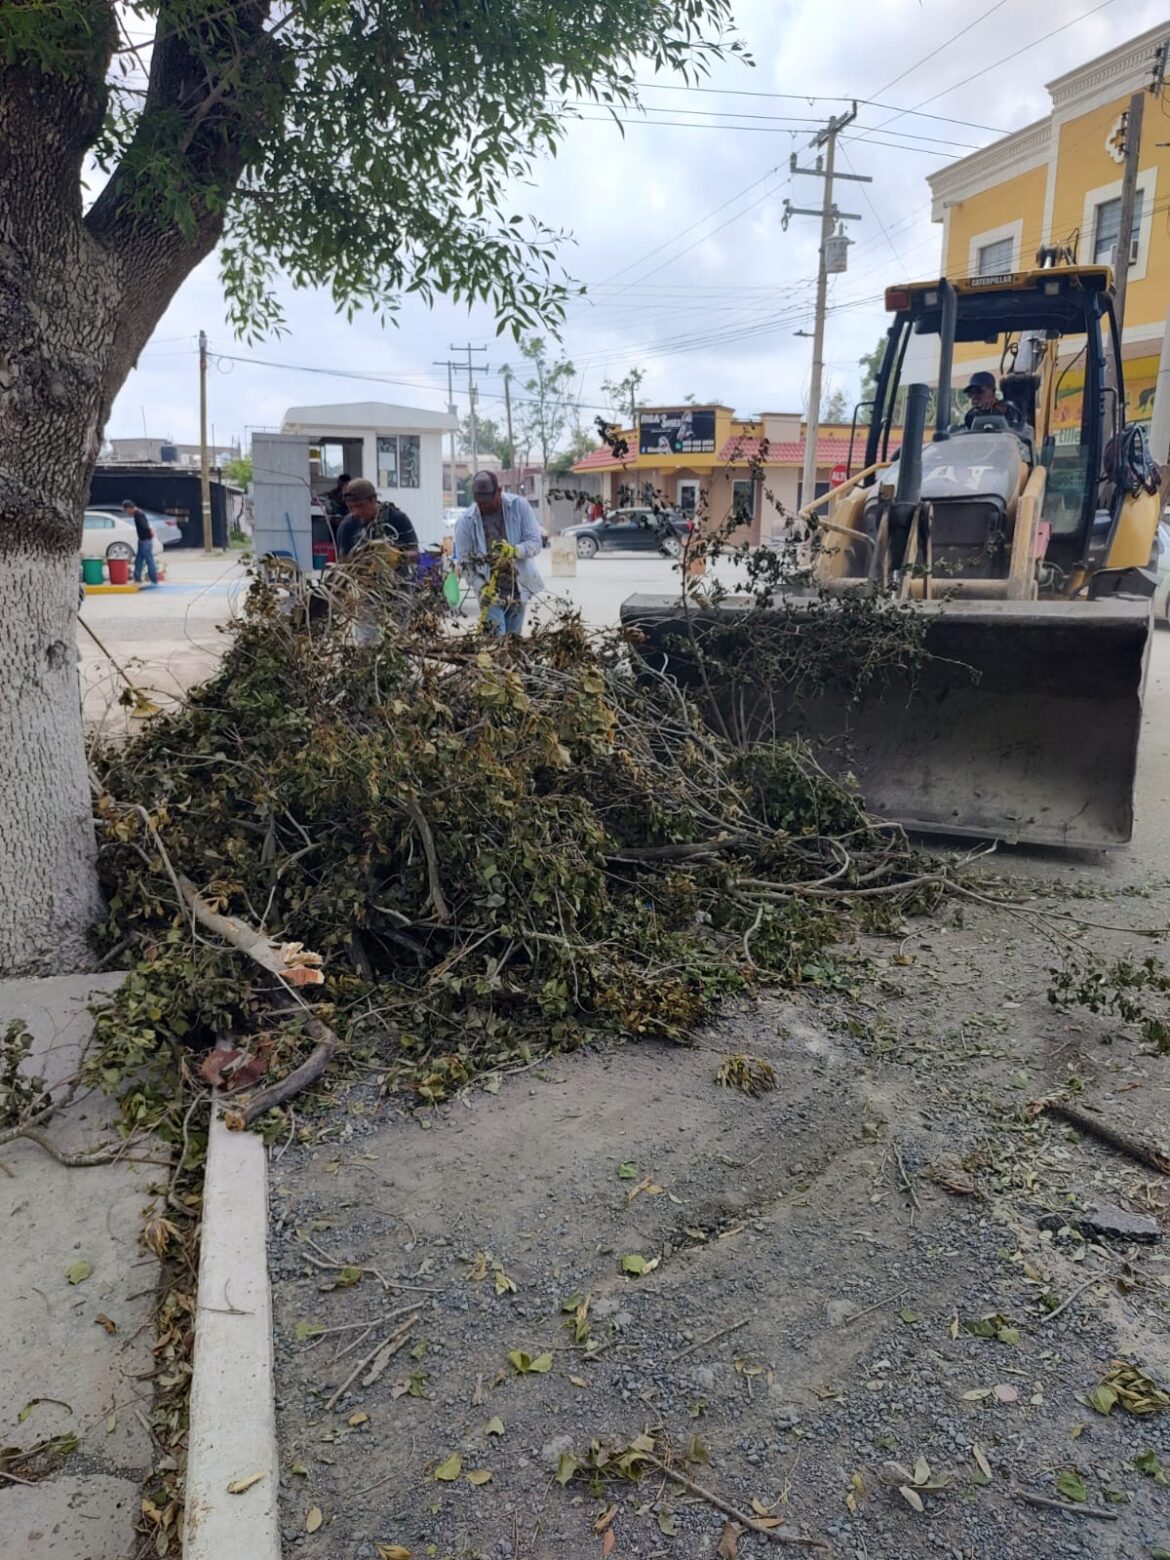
357 491
980 381
128 503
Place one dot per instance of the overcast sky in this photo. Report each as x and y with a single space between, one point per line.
676 225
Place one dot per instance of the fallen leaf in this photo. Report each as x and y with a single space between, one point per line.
1076 1432
450 1470
314 1519
308 1330
567 1466
1071 1485
578 1381
729 1542
908 1316
696 1451
668 1523
491 1084
494 1426
1101 1398
912 1497
479 1476
605 1519
608 1540
976 1393
104 1321
347 1278
300 1470
981 1458
627 1171
357 1419
1005 1393
634 1264
393 1552
238 1486
922 1471
1148 1463
79 1272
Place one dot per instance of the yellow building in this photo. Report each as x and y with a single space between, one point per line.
1058 183
705 461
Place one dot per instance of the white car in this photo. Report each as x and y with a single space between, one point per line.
110 536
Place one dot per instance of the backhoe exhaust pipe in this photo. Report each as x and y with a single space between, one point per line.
908 488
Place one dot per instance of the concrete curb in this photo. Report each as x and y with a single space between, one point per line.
233 1411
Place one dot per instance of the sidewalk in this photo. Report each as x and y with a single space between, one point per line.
61 1367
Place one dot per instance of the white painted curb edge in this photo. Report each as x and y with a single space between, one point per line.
233 1411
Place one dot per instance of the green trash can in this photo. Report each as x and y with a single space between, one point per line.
92 571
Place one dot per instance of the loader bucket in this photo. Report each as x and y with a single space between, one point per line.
1022 725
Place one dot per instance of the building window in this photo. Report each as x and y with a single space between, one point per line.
741 499
330 457
1107 228
399 460
995 259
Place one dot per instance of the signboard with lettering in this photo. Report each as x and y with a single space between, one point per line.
689 431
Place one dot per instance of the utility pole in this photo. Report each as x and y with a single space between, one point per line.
506 373
825 169
1132 131
471 369
204 467
451 412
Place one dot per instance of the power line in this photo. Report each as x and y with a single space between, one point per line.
802 120
935 52
818 97
1023 49
691 124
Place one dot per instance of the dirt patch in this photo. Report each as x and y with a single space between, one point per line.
809 1235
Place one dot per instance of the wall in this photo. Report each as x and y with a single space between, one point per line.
167 490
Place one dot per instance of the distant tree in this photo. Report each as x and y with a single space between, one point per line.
870 363
582 441
623 393
834 407
490 439
239 470
548 405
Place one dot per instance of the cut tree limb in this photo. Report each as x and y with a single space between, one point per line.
1095 1127
283 962
416 815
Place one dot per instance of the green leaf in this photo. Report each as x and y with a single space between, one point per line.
348 1277
908 1316
79 1272
308 1330
629 1170
1101 1398
1071 1485
1149 1464
450 1470
668 1523
567 1466
494 1426
634 1264
542 1364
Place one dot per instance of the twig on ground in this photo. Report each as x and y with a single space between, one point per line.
367 1360
1064 1305
752 1524
1073 1508
701 1343
906 1181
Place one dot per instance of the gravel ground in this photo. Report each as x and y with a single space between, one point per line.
806 1226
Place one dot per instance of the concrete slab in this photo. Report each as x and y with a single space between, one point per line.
51 1346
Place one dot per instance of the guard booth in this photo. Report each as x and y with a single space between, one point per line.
282 497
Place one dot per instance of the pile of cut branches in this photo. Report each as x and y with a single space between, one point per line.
496 849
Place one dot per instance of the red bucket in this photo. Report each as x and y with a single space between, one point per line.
119 570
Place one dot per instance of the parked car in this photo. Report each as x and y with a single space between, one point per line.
106 535
1162 589
632 530
165 527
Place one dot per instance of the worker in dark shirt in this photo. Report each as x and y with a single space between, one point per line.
369 520
144 557
335 498
986 403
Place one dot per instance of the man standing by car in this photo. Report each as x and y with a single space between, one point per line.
144 557
496 541
371 521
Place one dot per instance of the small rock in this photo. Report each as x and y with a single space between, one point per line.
838 1312
1107 1222
552 1452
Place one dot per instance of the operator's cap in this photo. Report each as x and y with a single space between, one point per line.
358 490
980 381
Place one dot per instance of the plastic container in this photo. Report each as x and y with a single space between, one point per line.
119 570
92 571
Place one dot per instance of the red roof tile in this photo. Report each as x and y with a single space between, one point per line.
830 451
603 457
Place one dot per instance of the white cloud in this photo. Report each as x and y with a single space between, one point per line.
717 320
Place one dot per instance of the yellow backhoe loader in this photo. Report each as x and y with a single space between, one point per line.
1026 534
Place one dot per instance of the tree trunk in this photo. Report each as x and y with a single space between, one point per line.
49 895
